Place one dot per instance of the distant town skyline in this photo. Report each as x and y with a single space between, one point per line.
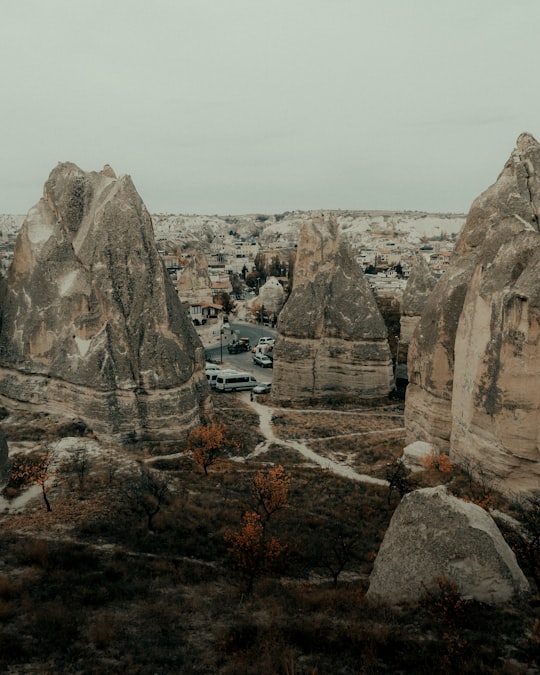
242 106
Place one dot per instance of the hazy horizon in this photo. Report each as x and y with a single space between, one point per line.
245 107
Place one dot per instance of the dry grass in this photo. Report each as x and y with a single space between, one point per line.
89 588
324 424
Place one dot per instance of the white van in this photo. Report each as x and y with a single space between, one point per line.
211 366
267 341
211 376
231 381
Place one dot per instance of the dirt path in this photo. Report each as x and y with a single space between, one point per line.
265 423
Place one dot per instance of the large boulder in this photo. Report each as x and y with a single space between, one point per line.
474 360
91 325
332 340
271 297
433 535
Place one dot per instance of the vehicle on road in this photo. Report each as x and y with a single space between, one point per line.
263 388
230 380
237 347
264 343
262 360
211 366
211 376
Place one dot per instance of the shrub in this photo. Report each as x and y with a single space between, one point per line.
439 461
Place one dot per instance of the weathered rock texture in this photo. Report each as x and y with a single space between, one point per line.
433 534
420 284
332 340
4 454
194 283
271 297
90 323
474 361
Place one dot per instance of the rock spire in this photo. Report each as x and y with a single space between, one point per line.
90 323
474 361
332 340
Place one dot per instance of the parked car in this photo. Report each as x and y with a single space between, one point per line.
263 388
263 361
266 340
211 366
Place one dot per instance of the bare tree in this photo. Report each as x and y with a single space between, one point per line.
146 492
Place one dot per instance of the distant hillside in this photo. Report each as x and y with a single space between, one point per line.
359 226
269 229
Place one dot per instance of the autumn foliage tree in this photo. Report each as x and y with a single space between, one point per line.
208 442
30 470
252 549
269 491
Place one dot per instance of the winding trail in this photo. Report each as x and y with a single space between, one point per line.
265 423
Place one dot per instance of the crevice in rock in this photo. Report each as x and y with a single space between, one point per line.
534 210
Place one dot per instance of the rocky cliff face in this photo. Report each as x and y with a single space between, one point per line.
419 286
90 323
332 340
474 361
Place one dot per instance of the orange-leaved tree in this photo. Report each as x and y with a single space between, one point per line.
32 470
208 442
252 551
269 491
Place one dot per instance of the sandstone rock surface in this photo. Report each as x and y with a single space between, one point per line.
91 325
194 283
332 340
420 284
271 296
474 361
433 534
416 454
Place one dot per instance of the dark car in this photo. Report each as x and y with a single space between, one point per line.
235 348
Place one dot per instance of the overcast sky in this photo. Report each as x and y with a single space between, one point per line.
237 106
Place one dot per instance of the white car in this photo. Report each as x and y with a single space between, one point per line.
263 361
263 388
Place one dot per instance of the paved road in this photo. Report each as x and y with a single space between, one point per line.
244 360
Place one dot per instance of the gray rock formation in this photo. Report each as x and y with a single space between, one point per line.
90 323
420 284
433 534
415 455
194 284
332 340
271 297
474 359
